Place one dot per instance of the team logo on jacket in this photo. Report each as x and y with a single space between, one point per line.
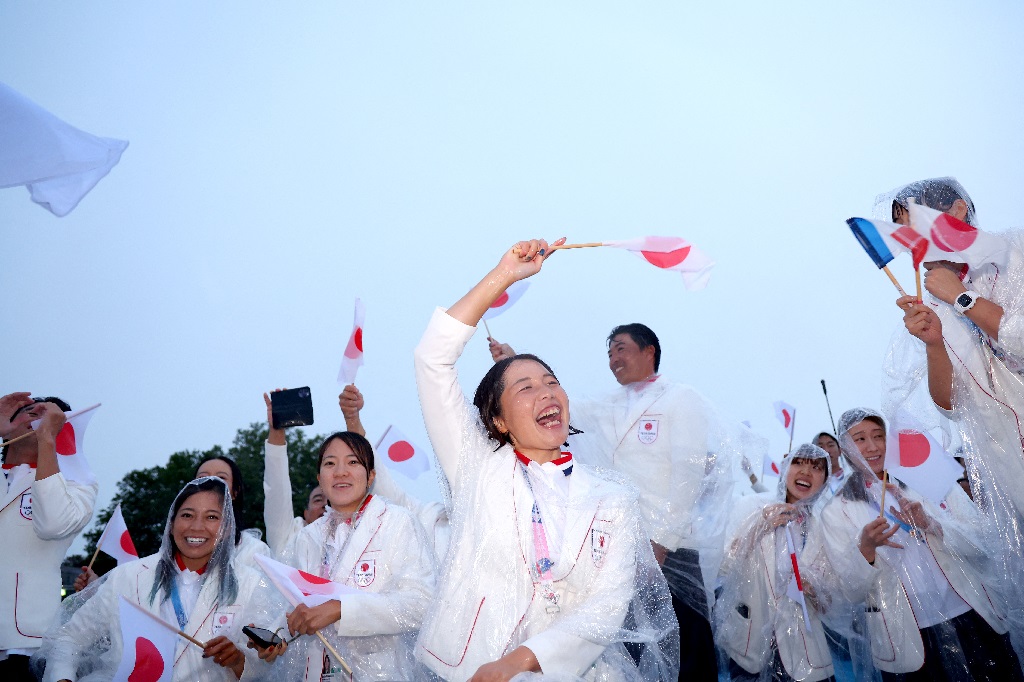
26 505
223 620
599 540
364 572
647 431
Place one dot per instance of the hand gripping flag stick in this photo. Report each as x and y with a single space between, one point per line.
796 574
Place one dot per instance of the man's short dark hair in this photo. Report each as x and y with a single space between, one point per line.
642 335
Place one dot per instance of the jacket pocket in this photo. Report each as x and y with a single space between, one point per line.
448 648
33 607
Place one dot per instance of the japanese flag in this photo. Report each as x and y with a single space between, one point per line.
299 587
353 358
507 299
917 459
954 240
770 467
786 414
147 653
401 454
672 253
115 540
70 446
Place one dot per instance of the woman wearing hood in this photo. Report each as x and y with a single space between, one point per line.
921 570
191 583
759 623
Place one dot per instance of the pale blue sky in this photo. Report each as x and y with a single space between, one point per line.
288 157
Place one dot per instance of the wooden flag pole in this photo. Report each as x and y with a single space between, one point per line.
96 553
335 653
893 280
885 483
191 639
917 277
488 330
15 440
586 245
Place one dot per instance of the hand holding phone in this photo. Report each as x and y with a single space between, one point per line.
293 407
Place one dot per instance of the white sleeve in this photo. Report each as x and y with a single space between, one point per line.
61 508
80 636
841 535
278 514
445 411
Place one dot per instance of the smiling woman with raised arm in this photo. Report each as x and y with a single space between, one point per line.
549 570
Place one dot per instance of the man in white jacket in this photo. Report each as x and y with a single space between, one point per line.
41 513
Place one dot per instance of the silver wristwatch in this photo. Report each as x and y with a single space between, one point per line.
965 302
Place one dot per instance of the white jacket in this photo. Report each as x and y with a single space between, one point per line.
763 578
487 603
99 618
388 561
660 443
896 644
38 522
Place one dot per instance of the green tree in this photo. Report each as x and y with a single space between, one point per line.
146 495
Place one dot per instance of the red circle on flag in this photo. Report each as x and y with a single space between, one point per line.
400 451
775 467
149 664
315 579
786 419
666 260
358 338
914 448
950 234
502 300
65 443
127 545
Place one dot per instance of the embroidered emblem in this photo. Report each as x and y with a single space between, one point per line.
647 431
599 540
364 572
26 505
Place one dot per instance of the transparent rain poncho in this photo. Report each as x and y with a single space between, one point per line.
937 193
385 561
759 620
986 424
85 641
932 604
686 460
600 610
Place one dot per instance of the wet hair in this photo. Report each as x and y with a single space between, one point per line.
855 487
219 564
49 399
642 335
487 398
361 448
937 193
237 490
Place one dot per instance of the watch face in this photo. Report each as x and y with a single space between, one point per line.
964 300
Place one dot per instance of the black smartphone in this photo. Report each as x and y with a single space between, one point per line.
293 407
261 637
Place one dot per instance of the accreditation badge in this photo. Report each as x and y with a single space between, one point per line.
364 572
647 431
26 505
599 540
